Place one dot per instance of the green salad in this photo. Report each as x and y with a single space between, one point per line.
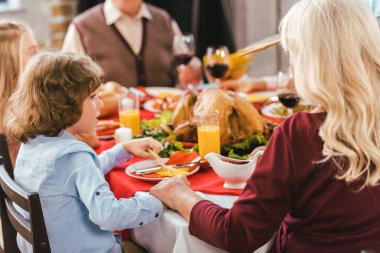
158 129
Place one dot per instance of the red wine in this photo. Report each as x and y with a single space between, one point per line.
289 100
182 59
217 70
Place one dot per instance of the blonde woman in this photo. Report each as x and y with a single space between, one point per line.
317 183
17 46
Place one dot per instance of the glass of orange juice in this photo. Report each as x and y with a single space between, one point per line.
208 133
129 113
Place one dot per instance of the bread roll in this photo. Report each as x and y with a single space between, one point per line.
108 93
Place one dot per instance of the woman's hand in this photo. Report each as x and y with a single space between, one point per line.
169 190
140 147
176 194
191 73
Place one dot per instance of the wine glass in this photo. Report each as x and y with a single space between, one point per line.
183 48
286 91
216 60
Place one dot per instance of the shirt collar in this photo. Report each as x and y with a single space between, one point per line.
113 14
62 135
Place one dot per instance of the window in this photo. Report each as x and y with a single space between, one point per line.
10 5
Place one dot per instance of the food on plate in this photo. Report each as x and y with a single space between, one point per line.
238 119
183 111
173 172
282 111
242 150
165 101
257 98
238 65
239 150
108 93
106 127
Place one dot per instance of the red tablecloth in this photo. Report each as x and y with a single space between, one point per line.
124 186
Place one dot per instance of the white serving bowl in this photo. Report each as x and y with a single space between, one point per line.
234 172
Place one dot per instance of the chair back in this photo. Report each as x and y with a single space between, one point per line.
12 221
4 152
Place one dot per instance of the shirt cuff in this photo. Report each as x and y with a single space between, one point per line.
121 156
152 204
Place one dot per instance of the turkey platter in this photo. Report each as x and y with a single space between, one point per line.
238 119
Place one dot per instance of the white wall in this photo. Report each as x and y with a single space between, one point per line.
254 20
36 13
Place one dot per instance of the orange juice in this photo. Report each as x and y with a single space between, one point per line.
130 118
208 140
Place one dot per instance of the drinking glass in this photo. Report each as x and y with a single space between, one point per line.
217 60
208 133
129 113
183 48
286 91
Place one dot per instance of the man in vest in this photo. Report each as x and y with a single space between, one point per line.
132 41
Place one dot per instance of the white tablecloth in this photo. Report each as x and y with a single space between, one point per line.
171 233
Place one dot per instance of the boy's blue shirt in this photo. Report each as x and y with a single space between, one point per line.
79 209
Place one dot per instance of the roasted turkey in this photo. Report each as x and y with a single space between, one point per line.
238 119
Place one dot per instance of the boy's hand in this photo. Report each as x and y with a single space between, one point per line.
140 147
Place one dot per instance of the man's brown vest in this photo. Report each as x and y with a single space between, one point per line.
153 66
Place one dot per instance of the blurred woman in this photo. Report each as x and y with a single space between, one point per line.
17 46
249 84
317 183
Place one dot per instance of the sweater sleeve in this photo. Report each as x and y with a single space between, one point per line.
258 212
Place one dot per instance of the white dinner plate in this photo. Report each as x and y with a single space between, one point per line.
148 105
148 164
156 91
268 111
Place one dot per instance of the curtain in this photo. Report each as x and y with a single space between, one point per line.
213 25
180 10
87 4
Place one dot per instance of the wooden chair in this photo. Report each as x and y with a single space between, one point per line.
4 152
34 231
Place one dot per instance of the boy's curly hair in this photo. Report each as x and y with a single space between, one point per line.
50 94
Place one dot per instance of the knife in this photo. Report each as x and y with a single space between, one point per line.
158 168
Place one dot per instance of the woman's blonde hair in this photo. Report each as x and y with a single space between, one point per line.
334 48
50 94
10 61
